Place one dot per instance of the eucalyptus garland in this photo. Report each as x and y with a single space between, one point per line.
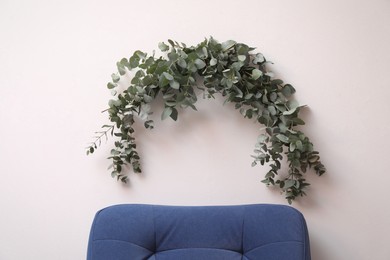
229 69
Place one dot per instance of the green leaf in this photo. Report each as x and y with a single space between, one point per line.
283 128
202 52
174 84
228 73
243 49
313 158
115 77
237 65
168 95
282 138
148 98
163 47
166 113
277 82
114 174
288 90
241 58
168 76
288 184
111 85
256 73
173 56
140 54
174 113
121 69
248 96
227 45
200 64
299 145
273 96
262 138
163 82
272 110
270 174
298 121
182 63
259 58
289 112
171 43
147 80
149 124
213 62
170 103
134 61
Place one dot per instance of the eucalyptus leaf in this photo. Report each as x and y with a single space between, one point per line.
248 96
227 45
299 145
262 138
272 110
288 90
168 95
148 98
121 69
256 73
282 138
289 184
134 61
171 43
174 114
168 76
258 59
182 63
115 77
289 112
200 64
241 58
166 113
111 85
174 84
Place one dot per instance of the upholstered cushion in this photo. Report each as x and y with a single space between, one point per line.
268 232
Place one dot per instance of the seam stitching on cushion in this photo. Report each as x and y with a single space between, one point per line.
304 232
90 249
279 242
118 240
210 248
242 230
155 231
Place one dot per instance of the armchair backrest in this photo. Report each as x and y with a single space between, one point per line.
152 232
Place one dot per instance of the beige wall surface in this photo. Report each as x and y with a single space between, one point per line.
57 56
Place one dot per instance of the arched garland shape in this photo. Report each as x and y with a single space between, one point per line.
229 69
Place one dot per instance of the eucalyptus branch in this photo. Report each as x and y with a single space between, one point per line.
230 69
98 139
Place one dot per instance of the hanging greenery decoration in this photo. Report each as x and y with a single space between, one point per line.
229 69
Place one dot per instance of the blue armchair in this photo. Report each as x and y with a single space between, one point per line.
245 232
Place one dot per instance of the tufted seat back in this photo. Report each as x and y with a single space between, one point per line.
150 232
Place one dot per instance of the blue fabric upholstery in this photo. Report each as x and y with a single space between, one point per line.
245 232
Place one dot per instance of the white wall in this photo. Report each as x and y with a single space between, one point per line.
56 57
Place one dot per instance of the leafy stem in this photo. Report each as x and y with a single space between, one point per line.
98 139
229 69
